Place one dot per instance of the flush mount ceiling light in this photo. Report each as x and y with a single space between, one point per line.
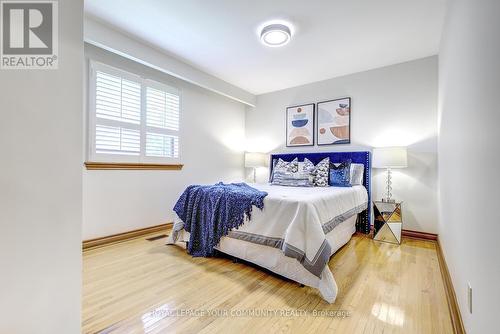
275 35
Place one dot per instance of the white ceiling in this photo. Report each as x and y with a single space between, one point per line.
331 38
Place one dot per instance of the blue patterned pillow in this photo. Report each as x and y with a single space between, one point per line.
340 176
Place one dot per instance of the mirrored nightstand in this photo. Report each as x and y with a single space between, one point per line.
388 221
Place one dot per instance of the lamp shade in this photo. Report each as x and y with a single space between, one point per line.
254 160
390 157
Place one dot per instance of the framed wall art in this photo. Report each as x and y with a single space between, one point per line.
334 122
300 125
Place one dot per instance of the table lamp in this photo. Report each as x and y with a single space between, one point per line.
255 160
389 157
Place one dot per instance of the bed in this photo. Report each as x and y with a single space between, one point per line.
300 228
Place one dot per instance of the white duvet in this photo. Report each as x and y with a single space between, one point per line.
299 221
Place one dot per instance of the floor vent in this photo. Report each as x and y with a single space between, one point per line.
161 236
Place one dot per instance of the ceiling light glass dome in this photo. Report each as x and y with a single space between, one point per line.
275 35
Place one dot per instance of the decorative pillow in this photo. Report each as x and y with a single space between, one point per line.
292 166
293 173
274 162
320 172
306 166
283 166
298 179
357 173
340 176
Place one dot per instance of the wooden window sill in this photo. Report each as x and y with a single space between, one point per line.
130 166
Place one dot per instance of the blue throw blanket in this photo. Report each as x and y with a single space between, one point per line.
210 212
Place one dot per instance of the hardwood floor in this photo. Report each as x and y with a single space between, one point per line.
143 286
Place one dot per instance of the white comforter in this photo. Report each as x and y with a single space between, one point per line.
297 221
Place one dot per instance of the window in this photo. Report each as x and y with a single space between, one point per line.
131 119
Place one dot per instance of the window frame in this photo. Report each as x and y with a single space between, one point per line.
144 83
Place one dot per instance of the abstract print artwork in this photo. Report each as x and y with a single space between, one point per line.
300 125
334 122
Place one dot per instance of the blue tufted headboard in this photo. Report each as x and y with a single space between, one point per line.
363 223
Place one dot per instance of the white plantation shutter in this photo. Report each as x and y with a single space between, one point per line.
162 120
162 109
158 145
116 140
117 99
131 119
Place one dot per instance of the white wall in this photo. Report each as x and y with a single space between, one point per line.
469 100
106 37
212 143
41 189
391 106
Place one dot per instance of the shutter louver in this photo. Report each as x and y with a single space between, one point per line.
162 109
117 140
158 145
117 98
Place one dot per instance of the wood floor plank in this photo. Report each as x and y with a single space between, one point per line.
137 286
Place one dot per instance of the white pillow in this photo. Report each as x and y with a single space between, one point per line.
356 174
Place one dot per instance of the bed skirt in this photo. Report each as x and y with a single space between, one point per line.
274 260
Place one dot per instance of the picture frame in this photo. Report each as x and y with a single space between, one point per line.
333 121
300 122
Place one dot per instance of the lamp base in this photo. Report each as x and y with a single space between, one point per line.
388 198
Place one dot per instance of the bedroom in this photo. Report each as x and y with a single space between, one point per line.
355 141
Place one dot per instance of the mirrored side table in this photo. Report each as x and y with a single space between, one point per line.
388 221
